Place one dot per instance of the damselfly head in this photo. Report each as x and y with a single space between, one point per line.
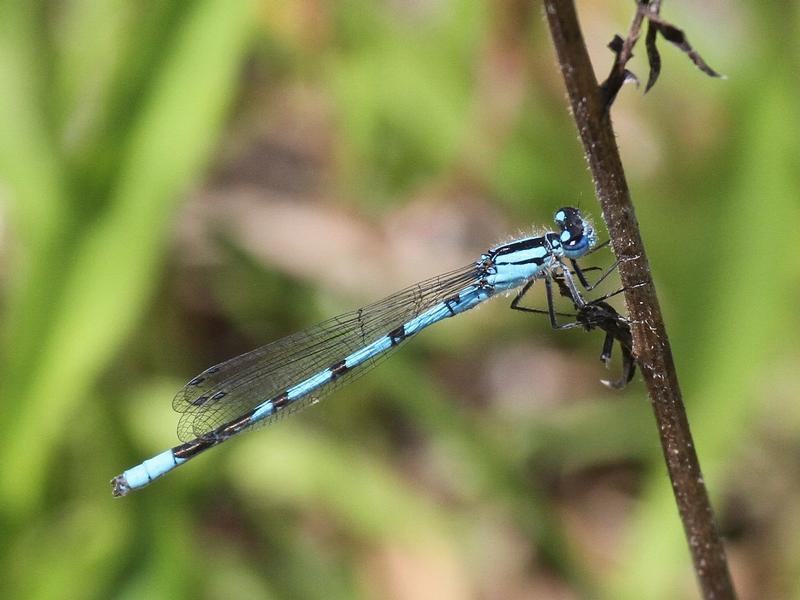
577 234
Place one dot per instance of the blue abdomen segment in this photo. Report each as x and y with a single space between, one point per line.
465 300
142 474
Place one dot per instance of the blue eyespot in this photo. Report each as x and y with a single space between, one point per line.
577 235
567 216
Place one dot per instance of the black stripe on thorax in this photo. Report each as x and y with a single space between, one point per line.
539 260
528 244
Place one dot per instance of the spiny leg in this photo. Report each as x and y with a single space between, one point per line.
599 314
582 276
551 311
551 306
581 273
608 346
628 370
593 314
607 296
574 294
599 246
518 298
564 292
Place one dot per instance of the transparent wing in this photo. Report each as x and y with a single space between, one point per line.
233 388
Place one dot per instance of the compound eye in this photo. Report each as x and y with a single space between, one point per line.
576 235
575 243
570 240
568 217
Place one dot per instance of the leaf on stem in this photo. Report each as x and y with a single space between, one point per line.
623 50
677 37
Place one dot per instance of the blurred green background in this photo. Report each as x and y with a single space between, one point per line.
181 182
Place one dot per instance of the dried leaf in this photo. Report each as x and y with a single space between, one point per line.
653 56
676 36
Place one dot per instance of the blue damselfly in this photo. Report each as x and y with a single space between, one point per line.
251 390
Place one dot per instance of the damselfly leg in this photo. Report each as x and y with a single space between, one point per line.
598 314
601 315
551 310
594 314
581 272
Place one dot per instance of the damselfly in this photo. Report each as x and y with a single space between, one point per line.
251 390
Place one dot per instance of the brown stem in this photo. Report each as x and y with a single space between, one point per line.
650 342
